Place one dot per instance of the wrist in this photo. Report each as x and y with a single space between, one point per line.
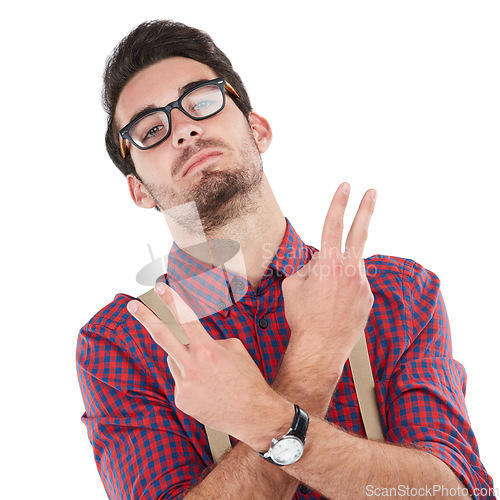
274 421
307 379
313 361
288 448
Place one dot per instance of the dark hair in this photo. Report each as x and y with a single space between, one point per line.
147 44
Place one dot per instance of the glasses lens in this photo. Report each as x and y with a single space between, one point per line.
150 129
203 102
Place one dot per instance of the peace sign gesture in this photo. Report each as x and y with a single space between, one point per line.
216 381
327 302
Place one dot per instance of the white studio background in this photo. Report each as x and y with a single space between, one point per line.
400 96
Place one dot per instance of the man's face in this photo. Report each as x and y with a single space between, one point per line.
214 163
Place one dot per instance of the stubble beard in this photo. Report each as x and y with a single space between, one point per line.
218 197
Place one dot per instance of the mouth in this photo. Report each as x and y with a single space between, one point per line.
199 160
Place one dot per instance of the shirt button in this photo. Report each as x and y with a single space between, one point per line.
220 304
303 488
263 323
239 286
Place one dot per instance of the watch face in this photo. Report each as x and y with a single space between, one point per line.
287 450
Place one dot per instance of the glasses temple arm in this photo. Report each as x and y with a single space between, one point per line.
230 89
123 147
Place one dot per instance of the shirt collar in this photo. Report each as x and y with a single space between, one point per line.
292 254
209 287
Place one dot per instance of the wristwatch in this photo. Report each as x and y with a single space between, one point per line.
289 448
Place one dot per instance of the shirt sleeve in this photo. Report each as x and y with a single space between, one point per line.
139 438
426 405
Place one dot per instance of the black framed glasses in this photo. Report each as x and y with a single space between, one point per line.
153 126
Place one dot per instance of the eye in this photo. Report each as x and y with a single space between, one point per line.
152 132
200 106
203 102
150 129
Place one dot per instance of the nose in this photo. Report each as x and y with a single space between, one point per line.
184 129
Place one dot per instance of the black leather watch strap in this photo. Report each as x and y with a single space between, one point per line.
298 430
300 423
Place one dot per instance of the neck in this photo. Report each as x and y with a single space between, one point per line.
258 236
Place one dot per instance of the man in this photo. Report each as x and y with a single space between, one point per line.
270 321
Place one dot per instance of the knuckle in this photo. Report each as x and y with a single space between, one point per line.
370 299
205 353
363 234
180 400
236 344
348 252
338 225
287 283
351 273
190 371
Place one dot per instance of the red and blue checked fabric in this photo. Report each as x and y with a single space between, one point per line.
146 448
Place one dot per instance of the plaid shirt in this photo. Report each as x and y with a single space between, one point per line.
146 448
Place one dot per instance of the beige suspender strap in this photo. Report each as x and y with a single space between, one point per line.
218 441
163 312
365 390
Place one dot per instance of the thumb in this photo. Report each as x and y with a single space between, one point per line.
294 280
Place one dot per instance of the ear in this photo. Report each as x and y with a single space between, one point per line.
139 193
261 131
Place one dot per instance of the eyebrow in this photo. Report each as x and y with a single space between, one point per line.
191 85
149 107
181 91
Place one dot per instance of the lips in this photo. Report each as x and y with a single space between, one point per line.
198 159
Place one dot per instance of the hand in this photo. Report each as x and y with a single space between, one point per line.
327 302
216 381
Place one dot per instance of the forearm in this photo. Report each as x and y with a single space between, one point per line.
243 474
340 465
308 381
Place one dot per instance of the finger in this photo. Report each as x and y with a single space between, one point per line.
160 332
175 369
331 238
358 234
183 314
232 344
181 311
